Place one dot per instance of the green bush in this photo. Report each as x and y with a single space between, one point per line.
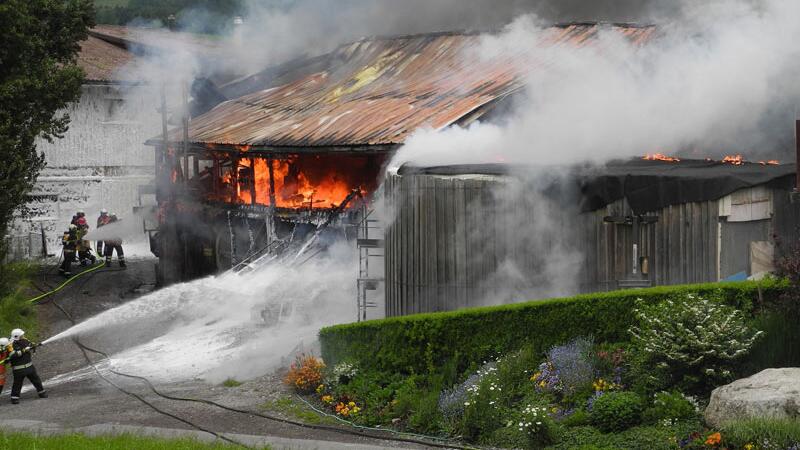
617 411
636 438
691 341
764 433
412 344
671 407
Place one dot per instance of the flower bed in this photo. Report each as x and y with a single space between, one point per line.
630 369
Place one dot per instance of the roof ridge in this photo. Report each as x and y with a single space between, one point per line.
467 32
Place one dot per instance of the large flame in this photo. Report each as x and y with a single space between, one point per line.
313 181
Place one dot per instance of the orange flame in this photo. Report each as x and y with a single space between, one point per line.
736 160
660 157
304 182
771 162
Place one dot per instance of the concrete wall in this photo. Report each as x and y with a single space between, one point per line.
100 162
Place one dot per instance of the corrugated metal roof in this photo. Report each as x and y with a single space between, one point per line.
377 92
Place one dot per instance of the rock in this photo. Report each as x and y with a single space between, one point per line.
769 393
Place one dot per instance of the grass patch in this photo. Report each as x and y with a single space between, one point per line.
779 433
15 310
126 442
298 410
231 382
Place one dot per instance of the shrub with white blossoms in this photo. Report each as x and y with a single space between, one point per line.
453 401
341 373
536 423
345 371
696 341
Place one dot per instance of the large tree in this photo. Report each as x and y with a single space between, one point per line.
39 44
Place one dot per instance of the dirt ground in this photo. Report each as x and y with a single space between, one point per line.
93 401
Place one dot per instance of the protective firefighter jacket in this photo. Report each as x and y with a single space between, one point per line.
70 240
18 356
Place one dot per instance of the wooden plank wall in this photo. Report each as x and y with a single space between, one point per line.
450 235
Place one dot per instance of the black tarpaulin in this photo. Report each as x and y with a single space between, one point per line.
646 185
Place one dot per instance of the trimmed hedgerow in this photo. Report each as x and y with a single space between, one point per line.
418 343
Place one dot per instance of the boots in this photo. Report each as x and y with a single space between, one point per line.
108 261
122 262
43 394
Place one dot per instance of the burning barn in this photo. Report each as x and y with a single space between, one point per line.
301 144
474 235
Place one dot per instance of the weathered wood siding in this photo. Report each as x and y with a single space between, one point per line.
450 236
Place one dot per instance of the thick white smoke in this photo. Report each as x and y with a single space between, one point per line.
238 326
706 86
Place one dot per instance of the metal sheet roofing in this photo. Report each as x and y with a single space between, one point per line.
376 92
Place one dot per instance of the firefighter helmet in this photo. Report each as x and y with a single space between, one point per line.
16 334
103 212
72 226
81 213
4 343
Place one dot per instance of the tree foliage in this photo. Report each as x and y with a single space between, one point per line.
39 43
199 16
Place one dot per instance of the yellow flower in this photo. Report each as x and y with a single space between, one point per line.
749 446
320 388
327 399
351 404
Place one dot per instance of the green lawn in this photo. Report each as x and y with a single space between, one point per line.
23 441
15 291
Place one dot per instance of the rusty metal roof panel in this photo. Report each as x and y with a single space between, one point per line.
377 92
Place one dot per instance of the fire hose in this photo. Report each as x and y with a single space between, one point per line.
357 431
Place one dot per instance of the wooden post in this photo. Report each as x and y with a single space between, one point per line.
271 186
185 98
252 181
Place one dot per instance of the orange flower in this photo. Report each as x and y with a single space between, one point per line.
714 439
305 373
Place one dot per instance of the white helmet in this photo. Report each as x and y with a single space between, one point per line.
103 211
16 334
4 342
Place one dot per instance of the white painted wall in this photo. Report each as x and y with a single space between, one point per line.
100 162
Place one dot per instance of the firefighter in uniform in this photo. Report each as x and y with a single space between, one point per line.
5 351
84 247
104 219
22 365
114 244
70 242
77 216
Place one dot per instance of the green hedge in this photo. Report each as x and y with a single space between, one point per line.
418 343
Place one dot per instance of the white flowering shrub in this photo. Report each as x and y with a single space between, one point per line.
537 425
691 341
341 373
453 401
